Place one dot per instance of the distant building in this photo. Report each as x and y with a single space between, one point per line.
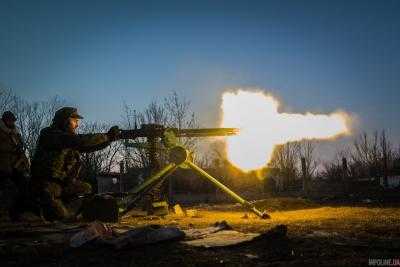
120 182
187 187
108 182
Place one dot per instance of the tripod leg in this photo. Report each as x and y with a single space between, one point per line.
235 196
139 190
154 178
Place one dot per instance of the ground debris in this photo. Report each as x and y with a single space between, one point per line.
221 235
222 239
251 256
196 233
322 234
92 231
144 236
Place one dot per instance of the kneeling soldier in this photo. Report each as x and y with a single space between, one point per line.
56 163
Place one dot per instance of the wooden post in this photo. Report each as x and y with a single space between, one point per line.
121 175
385 173
384 146
345 179
305 176
121 167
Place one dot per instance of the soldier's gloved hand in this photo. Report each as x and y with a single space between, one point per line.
113 133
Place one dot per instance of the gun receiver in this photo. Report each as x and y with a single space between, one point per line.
156 130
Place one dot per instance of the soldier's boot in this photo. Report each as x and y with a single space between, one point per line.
23 203
55 211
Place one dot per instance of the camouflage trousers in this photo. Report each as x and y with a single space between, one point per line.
8 193
14 195
60 202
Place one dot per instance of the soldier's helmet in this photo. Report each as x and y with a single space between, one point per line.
8 115
63 114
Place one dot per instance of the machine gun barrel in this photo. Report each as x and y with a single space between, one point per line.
205 132
154 131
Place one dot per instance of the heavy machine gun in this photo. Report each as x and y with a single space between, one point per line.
178 157
168 136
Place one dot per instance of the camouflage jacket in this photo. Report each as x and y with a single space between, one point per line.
12 155
57 155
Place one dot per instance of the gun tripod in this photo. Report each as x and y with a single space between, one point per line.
178 156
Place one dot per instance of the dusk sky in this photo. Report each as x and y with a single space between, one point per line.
316 56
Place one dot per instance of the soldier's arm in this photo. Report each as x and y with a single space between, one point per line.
81 142
93 142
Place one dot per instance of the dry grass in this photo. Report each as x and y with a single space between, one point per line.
320 236
344 220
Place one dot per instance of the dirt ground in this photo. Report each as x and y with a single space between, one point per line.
319 235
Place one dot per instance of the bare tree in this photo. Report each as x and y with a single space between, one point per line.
155 113
180 116
373 155
137 152
366 153
285 159
396 161
178 111
332 170
32 117
387 156
6 99
306 150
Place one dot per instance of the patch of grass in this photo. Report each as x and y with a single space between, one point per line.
352 221
285 203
